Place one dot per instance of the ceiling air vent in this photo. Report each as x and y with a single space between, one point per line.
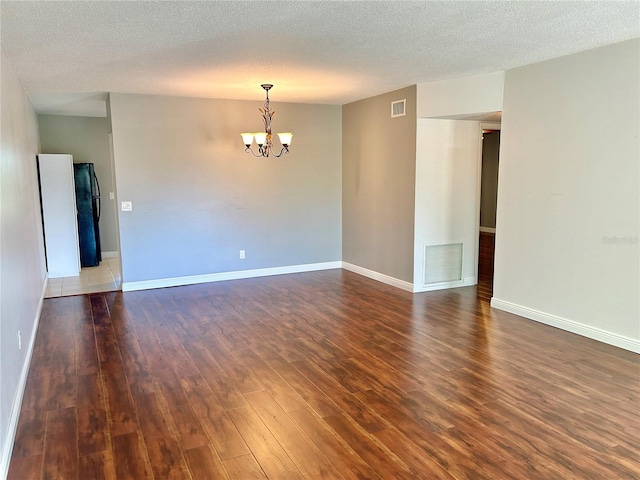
397 108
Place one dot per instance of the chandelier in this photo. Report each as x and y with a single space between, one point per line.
263 140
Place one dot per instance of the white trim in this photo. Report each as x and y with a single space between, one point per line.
572 326
380 277
466 282
110 254
487 230
221 277
7 448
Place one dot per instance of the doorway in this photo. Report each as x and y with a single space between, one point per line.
488 203
103 278
87 140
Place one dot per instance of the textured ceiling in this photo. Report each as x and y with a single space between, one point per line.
69 53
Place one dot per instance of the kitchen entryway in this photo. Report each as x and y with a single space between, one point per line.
103 278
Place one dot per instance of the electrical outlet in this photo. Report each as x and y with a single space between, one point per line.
242 254
19 341
111 196
127 206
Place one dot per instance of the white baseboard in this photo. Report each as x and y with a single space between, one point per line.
487 230
220 277
7 448
594 333
404 285
110 254
466 282
380 277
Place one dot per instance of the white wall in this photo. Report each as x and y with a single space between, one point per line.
447 160
22 265
567 248
198 198
461 96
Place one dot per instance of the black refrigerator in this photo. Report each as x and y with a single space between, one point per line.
88 204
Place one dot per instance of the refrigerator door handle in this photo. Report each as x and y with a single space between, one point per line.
95 177
97 196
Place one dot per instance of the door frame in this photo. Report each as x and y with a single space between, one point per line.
482 126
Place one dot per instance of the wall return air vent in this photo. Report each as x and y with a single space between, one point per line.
398 108
443 263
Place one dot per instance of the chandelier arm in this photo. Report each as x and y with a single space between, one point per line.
282 152
249 150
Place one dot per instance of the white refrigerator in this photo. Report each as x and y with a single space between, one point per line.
59 214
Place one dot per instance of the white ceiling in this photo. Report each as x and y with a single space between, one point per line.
68 54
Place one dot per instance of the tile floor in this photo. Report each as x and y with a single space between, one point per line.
103 278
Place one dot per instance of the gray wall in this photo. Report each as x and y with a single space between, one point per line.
87 139
378 184
567 245
489 187
198 198
22 265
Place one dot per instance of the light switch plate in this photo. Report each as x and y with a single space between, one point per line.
127 206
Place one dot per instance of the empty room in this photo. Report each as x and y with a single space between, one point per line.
320 239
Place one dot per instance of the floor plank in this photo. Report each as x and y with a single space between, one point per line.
92 415
203 462
130 457
24 468
97 466
60 450
268 452
163 449
344 458
306 456
244 467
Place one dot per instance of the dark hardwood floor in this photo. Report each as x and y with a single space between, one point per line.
319 375
486 252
